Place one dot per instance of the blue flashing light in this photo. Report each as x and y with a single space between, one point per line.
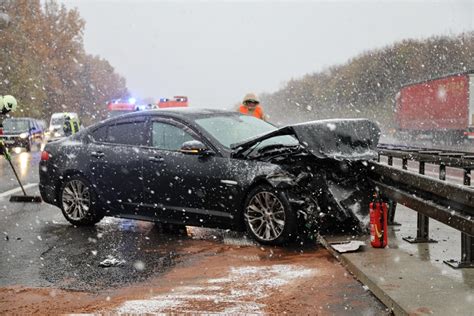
132 100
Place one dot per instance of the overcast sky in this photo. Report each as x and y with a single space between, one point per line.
216 51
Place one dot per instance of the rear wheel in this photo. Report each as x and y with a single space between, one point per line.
78 202
268 216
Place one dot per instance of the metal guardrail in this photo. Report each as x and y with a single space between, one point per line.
449 203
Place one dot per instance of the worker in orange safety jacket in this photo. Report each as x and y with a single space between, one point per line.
251 106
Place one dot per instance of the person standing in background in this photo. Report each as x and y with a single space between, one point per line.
251 106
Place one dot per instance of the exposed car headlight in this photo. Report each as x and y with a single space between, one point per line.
24 135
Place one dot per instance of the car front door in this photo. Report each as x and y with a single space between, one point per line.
178 185
116 161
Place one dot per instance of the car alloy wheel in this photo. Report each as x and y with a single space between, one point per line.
78 202
268 216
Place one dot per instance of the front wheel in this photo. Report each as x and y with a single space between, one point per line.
78 202
268 216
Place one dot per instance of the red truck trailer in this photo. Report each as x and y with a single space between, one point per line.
438 108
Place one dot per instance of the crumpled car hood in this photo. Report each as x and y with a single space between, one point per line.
340 139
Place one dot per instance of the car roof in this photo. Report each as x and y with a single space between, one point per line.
20 118
60 114
183 113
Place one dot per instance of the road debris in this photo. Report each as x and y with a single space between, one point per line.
111 262
347 246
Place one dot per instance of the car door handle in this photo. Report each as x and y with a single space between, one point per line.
156 159
97 154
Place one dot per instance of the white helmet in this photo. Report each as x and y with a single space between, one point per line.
9 104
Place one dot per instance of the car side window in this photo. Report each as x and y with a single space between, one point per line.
169 137
99 134
127 133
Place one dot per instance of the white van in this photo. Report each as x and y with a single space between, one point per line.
57 121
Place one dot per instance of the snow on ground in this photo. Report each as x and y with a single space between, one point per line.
238 292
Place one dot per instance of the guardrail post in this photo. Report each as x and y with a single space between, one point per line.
405 163
467 177
422 222
467 253
442 171
421 169
392 205
467 241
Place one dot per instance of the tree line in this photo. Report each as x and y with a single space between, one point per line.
366 85
44 65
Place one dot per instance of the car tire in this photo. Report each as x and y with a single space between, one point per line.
268 216
78 202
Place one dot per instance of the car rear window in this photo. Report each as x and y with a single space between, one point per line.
16 125
127 133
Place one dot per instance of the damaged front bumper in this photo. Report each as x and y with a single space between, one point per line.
333 198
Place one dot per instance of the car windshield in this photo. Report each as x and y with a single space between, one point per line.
57 121
11 126
228 130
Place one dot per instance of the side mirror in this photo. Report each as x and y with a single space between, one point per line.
194 147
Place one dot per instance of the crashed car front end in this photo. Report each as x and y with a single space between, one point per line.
325 176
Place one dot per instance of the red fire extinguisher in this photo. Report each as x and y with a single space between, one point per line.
378 224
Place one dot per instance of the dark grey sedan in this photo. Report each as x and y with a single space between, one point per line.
215 169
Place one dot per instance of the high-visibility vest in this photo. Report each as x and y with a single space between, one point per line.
68 128
257 111
75 126
4 150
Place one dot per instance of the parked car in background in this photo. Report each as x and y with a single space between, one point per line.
214 168
22 132
43 125
56 124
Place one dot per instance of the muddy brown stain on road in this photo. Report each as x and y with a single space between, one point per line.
210 276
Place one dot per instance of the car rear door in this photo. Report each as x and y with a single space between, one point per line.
116 161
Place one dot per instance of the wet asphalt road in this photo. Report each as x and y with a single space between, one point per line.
39 247
26 166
